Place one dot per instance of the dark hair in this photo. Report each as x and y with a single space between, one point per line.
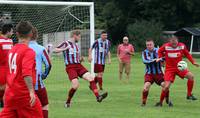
103 32
75 32
24 29
35 33
6 28
150 39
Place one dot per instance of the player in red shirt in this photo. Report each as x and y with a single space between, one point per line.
20 100
173 53
5 45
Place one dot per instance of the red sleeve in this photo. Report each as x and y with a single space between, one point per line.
188 55
161 51
28 63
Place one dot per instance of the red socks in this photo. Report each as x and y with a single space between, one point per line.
71 94
45 113
99 80
162 96
94 88
144 96
190 84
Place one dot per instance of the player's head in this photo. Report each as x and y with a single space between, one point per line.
35 33
104 35
150 44
174 41
24 30
125 40
7 30
76 35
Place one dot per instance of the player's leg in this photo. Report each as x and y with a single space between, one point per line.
148 80
164 93
74 87
145 92
73 77
30 112
88 76
121 68
99 69
127 71
42 95
190 84
100 80
169 78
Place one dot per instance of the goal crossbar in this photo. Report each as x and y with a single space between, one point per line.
47 3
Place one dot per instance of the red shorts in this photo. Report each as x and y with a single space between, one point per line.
23 112
42 95
99 68
157 78
75 71
170 74
3 72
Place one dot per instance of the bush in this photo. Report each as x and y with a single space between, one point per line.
142 30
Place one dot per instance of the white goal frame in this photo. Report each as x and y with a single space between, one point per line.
89 4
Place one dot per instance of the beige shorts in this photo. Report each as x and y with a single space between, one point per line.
123 65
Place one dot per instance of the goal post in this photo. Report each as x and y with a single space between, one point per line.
54 20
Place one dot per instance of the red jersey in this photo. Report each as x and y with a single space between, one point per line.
22 63
5 46
174 55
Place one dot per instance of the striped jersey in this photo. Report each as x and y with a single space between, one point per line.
151 66
101 50
72 54
5 45
41 58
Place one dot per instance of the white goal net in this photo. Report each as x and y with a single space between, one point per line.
54 20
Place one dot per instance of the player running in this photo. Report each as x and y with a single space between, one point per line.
173 53
5 45
74 67
153 70
20 98
41 58
102 47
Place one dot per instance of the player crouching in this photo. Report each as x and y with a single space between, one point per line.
75 69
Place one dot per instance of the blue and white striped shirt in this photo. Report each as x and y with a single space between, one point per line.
41 58
101 50
148 59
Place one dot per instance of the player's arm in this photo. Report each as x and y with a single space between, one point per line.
132 51
189 57
145 59
29 84
90 51
46 61
27 73
161 54
61 48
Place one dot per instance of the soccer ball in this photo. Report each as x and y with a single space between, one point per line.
182 65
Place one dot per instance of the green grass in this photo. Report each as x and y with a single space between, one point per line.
124 99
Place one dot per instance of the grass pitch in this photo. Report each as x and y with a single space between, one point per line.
124 99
